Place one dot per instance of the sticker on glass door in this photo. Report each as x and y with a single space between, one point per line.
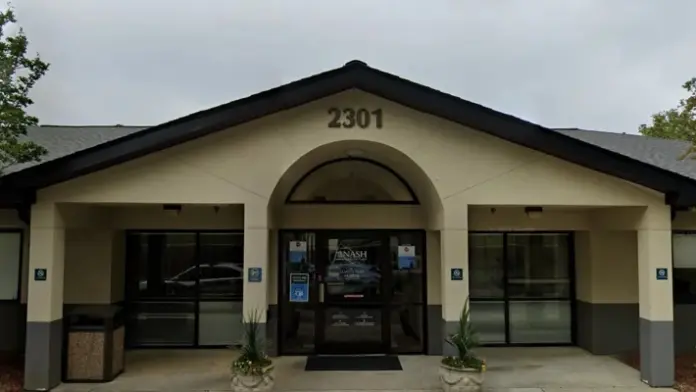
407 257
297 252
299 287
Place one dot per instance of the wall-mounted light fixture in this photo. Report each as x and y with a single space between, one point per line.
533 212
172 209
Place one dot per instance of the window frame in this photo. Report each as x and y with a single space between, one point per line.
677 298
133 249
20 264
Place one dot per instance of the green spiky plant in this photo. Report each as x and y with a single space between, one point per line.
253 360
464 340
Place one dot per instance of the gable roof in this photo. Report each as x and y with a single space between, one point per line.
564 144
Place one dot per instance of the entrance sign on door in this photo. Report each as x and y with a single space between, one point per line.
298 251
407 257
299 287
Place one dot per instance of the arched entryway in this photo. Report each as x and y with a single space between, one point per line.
351 219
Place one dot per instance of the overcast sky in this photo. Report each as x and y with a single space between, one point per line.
597 64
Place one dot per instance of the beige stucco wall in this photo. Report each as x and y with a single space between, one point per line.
466 167
607 266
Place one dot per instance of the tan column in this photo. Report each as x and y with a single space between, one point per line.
655 296
256 260
454 245
45 298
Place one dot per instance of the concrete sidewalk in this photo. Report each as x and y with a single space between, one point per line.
510 369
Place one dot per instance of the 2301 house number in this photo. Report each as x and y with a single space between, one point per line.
352 117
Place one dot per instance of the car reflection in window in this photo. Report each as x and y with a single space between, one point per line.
220 279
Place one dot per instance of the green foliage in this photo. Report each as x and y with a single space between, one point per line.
464 340
678 123
253 360
18 74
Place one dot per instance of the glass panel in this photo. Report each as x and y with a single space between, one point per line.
298 329
407 267
540 322
488 318
353 271
349 325
10 250
221 265
298 318
220 323
684 248
351 181
407 329
684 285
538 265
486 265
162 324
166 265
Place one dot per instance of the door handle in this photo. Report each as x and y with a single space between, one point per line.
321 292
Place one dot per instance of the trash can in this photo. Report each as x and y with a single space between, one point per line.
94 344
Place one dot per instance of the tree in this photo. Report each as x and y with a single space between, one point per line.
18 74
678 123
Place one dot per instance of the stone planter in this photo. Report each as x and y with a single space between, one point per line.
262 383
460 379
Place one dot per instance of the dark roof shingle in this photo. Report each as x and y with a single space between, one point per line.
62 140
663 153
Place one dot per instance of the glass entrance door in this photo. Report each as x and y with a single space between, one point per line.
352 314
352 292
521 287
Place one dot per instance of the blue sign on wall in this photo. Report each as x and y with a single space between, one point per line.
299 287
255 274
40 273
457 274
661 274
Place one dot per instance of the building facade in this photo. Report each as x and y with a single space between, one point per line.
354 212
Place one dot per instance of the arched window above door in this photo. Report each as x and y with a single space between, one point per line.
352 181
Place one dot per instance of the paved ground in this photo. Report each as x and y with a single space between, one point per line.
509 370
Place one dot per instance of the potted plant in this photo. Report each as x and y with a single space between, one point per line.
253 369
463 372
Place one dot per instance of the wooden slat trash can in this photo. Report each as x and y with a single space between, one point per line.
94 344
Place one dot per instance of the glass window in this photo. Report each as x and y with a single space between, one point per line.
488 318
486 265
167 265
540 322
222 265
538 265
10 261
684 256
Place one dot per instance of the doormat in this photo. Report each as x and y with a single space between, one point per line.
353 363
